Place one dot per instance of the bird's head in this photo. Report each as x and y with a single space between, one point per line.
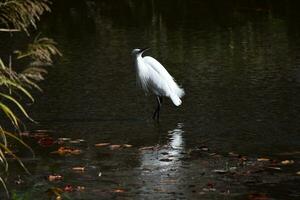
137 52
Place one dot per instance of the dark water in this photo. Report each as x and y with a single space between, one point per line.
239 64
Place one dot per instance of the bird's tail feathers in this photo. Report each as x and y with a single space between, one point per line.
175 99
180 92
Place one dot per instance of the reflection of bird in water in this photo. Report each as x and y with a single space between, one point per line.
171 152
162 165
152 76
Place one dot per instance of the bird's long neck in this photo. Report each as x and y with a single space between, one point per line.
139 64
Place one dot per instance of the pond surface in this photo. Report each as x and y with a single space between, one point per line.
239 64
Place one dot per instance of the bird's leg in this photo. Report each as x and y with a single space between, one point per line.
160 99
156 112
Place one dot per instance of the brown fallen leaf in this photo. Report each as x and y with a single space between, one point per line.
287 162
263 159
114 146
298 173
67 151
55 177
79 169
102 144
127 145
119 191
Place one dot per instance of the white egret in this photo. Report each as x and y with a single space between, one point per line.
153 77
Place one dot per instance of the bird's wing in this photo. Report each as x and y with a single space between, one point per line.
164 74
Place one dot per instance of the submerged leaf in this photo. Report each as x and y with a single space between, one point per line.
46 142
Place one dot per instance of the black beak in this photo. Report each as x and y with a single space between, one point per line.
143 50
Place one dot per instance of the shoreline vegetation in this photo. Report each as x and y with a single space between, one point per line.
20 73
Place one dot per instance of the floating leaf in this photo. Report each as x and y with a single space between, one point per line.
119 191
127 145
114 146
67 151
275 168
78 169
287 162
54 178
263 159
64 139
74 141
102 144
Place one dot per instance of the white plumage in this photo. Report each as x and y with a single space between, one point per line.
153 77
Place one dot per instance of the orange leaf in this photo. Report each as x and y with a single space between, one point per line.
81 169
263 159
55 177
287 162
119 190
102 144
67 151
